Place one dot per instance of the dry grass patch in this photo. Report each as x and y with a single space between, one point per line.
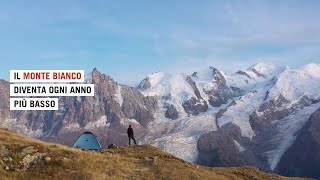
136 162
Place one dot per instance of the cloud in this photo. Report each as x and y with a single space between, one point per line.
229 35
283 23
246 32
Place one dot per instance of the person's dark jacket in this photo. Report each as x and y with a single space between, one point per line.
130 132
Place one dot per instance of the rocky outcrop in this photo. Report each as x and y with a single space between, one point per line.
107 114
217 101
220 94
274 110
224 148
244 74
4 99
171 112
144 84
236 91
22 158
136 106
195 106
194 87
258 73
267 112
303 157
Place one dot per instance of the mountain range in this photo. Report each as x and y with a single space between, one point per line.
266 116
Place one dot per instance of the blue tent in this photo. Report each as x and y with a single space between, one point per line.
87 140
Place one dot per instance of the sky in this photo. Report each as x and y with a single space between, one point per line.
130 39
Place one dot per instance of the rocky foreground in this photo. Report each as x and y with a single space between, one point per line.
26 158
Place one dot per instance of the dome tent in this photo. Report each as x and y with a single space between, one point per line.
87 140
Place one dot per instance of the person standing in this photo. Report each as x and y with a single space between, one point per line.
131 135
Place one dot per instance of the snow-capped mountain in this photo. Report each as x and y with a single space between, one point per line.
260 116
250 117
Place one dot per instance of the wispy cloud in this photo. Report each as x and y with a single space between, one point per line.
130 40
251 31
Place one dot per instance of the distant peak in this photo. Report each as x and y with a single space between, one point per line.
311 66
208 73
156 75
157 72
266 69
262 65
213 68
95 71
194 74
144 84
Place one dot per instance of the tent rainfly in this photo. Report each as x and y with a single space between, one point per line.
87 140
